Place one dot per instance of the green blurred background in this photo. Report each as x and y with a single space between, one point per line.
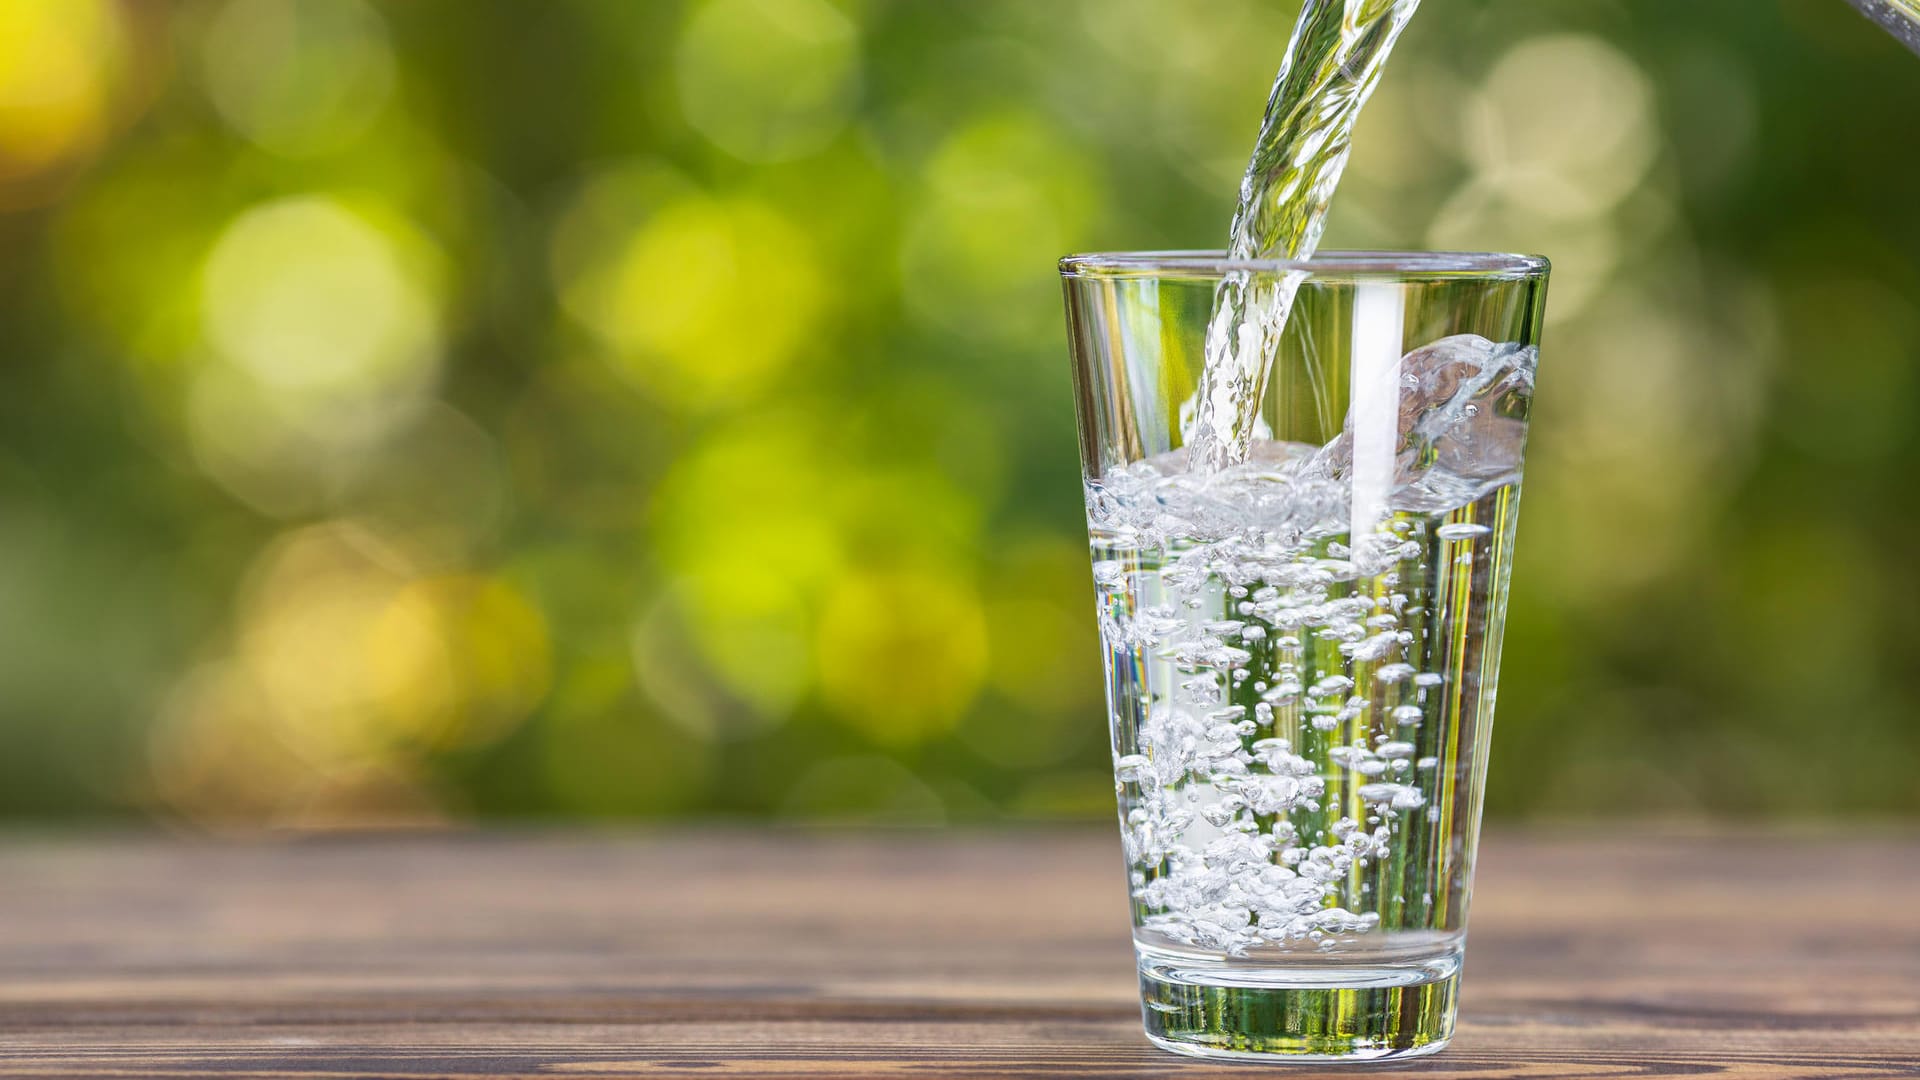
442 409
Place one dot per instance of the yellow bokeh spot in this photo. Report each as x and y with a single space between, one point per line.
751 508
362 661
310 298
1044 656
298 77
462 659
755 640
59 61
716 299
501 654
902 653
215 752
768 80
608 208
322 325
709 299
318 596
1044 659
759 524
218 760
1587 251
746 521
1564 126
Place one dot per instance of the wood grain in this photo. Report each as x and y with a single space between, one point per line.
769 954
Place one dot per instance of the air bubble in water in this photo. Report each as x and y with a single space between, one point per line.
1395 796
1331 685
1393 673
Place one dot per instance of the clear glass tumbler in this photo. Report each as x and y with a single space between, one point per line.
1301 650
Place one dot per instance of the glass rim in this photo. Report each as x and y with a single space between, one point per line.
1326 265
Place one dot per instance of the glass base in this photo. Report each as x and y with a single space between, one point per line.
1310 1011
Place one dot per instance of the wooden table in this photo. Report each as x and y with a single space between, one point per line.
767 954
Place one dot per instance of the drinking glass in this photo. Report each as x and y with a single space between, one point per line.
1302 648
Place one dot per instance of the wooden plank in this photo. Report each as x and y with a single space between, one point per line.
770 954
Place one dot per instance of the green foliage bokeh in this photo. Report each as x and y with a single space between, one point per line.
425 410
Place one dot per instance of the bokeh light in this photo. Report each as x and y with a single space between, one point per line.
768 80
1563 127
60 64
349 664
746 524
322 326
311 300
707 300
902 653
298 77
1003 191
